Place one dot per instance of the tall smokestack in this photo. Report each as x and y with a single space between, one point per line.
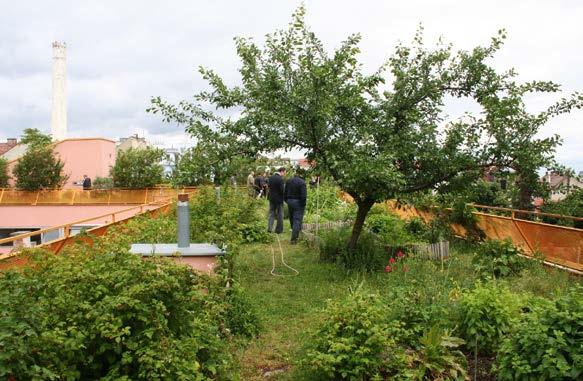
59 110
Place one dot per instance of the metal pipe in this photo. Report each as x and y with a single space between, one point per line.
183 213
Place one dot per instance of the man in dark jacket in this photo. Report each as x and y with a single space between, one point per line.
259 181
276 190
296 195
86 182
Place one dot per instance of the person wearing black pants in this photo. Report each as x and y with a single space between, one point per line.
276 191
295 196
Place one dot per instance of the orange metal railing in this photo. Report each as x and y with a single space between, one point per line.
161 204
560 245
89 197
112 218
121 216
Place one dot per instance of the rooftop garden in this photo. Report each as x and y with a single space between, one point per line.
385 311
382 299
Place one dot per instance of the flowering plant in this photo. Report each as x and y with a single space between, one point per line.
397 262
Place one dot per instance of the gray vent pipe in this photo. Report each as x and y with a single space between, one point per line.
183 214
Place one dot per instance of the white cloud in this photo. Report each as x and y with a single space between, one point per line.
122 53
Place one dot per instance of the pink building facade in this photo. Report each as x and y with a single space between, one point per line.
82 156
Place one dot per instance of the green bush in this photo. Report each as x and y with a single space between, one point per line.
353 342
416 309
323 205
436 230
358 340
547 344
416 227
4 173
369 254
389 228
254 231
102 183
228 218
497 258
110 316
486 315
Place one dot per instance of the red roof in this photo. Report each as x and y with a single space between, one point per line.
5 147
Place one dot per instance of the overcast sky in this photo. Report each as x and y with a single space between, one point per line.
121 53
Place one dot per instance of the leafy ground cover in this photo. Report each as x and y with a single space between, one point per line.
426 298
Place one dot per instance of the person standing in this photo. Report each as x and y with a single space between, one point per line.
259 181
264 185
276 190
251 184
86 182
296 196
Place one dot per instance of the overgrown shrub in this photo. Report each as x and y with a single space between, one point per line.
547 344
324 204
498 258
417 309
359 340
83 316
227 217
486 315
369 254
416 227
389 228
354 340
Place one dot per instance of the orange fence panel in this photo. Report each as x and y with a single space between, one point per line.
89 197
558 244
101 197
19 197
65 196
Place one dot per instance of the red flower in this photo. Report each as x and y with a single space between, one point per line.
400 254
392 260
388 269
405 269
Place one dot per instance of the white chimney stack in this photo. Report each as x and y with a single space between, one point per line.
59 110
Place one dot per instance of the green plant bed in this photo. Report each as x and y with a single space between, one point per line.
81 316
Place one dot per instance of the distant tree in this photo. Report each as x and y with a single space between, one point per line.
205 163
138 168
4 173
34 138
377 139
192 168
571 205
39 168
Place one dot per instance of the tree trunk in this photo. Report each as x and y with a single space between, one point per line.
361 213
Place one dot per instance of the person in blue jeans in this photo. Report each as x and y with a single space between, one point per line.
275 195
295 196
